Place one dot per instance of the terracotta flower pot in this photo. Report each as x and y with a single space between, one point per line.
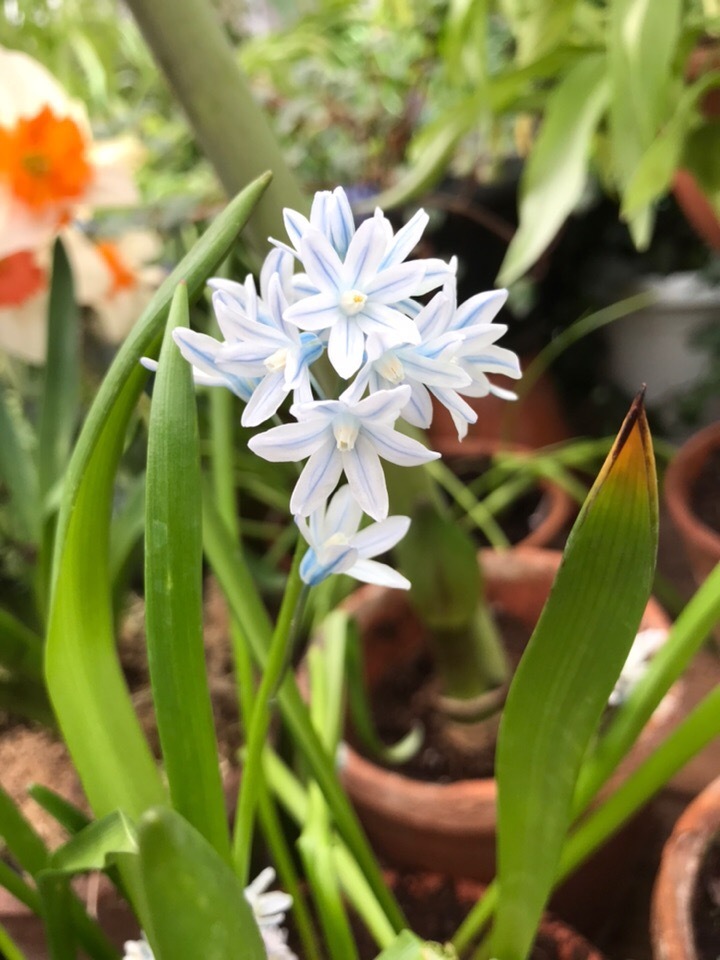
672 922
698 210
702 544
450 827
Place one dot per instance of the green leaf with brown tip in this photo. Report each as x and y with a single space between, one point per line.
566 675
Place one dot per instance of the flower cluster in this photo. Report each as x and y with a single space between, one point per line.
355 299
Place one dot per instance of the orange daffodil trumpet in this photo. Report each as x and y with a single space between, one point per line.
52 171
50 168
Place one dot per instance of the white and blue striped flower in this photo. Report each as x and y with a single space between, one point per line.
339 437
338 546
356 282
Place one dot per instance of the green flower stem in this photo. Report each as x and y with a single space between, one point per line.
475 509
236 581
275 666
190 46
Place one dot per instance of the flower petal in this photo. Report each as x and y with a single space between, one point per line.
343 514
321 263
318 479
290 441
370 571
380 318
366 478
397 448
481 308
364 254
338 558
396 282
406 239
383 406
380 537
266 399
346 346
318 312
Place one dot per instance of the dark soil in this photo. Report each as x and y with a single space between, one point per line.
706 906
521 517
435 906
704 495
30 754
408 694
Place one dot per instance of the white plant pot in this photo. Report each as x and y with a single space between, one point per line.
655 345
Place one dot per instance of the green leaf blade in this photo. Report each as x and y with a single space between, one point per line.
565 677
173 595
556 171
196 906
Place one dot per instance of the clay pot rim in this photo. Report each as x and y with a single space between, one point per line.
561 505
476 795
682 857
679 478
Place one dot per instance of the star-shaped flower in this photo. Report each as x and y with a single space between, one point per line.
343 437
337 546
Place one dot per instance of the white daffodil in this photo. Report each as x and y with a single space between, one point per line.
270 351
356 283
115 277
49 165
337 546
343 437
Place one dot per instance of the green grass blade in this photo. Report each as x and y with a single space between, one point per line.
21 649
565 677
18 471
61 389
67 814
8 948
173 595
196 906
55 896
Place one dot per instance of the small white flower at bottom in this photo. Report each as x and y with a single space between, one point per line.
336 545
137 950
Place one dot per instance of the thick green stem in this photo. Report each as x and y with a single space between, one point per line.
188 42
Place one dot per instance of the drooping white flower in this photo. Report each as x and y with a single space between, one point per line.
338 546
343 437
49 165
137 950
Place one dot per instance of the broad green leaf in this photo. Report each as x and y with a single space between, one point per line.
565 677
196 905
642 42
653 175
538 25
95 847
83 672
556 170
173 595
61 389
